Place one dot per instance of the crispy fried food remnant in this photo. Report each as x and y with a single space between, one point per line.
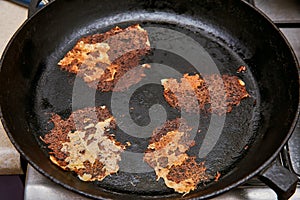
102 59
82 144
186 176
216 94
166 154
218 175
242 68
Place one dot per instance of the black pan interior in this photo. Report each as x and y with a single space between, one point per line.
226 32
54 92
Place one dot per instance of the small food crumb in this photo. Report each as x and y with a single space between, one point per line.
147 66
218 175
242 68
128 143
242 83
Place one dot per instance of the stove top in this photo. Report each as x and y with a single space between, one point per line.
286 14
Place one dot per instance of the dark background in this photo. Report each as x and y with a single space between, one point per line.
11 187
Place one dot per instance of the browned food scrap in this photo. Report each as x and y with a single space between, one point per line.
186 176
235 91
166 154
217 177
214 93
102 59
82 144
242 68
179 94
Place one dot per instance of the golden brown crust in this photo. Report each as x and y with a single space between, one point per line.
102 59
82 144
214 93
186 176
166 154
223 101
